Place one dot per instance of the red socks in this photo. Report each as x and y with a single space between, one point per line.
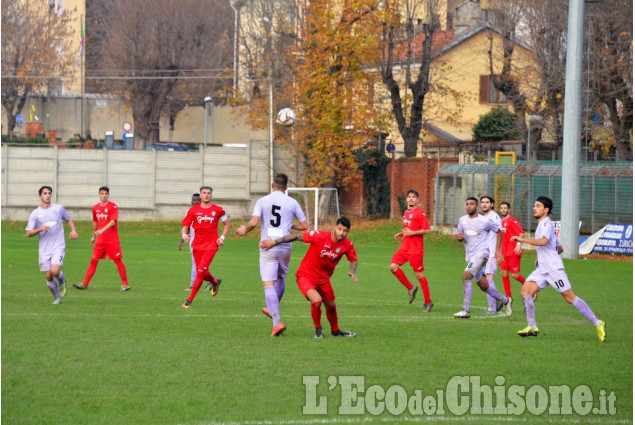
401 276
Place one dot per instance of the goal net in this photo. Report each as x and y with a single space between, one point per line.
321 206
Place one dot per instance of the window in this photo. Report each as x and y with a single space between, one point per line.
489 16
487 91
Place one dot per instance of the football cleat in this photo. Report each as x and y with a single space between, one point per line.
529 331
427 307
489 312
80 286
189 289
125 288
500 304
412 293
265 311
187 304
601 330
343 333
318 333
215 287
508 307
62 288
463 314
278 330
58 300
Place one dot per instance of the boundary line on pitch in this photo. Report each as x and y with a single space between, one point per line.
448 419
189 314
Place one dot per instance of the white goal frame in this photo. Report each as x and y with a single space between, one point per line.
317 191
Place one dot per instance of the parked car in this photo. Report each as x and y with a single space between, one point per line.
166 147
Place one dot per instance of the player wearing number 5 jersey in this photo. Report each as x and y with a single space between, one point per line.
550 272
317 266
276 212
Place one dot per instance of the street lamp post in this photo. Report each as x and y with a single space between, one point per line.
207 100
236 5
531 118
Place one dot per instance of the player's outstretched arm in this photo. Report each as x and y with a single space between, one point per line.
301 226
352 270
270 243
226 226
244 229
185 235
535 242
73 235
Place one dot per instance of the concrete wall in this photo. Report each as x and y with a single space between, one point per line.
146 185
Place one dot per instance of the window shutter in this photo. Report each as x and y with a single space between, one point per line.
483 89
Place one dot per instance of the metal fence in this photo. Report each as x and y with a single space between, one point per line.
606 191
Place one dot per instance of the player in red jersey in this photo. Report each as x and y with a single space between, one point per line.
317 266
512 252
415 225
204 219
106 239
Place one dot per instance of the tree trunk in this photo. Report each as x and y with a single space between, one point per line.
410 142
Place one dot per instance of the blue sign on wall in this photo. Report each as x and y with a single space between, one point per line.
617 238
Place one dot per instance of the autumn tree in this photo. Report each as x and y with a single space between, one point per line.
312 57
332 88
399 29
162 48
542 25
33 50
611 68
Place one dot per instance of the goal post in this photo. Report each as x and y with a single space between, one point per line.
321 205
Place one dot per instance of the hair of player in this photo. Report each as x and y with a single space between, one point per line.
491 200
506 203
206 187
344 221
413 192
281 180
471 198
547 202
196 195
39 192
106 188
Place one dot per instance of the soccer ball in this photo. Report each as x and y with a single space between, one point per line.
286 117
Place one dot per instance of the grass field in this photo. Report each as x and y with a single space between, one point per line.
106 357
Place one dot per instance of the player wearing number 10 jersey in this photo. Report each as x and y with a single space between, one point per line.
276 211
550 272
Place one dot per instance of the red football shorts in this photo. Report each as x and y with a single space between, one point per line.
415 260
203 259
324 288
113 250
511 264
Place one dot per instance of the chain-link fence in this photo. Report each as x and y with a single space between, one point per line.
606 191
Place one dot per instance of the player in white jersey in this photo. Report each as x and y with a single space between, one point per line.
550 272
487 205
276 212
46 222
196 199
474 230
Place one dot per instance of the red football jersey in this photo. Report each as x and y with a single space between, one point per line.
511 227
414 219
323 255
205 224
104 215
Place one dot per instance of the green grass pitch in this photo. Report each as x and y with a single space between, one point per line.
106 357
